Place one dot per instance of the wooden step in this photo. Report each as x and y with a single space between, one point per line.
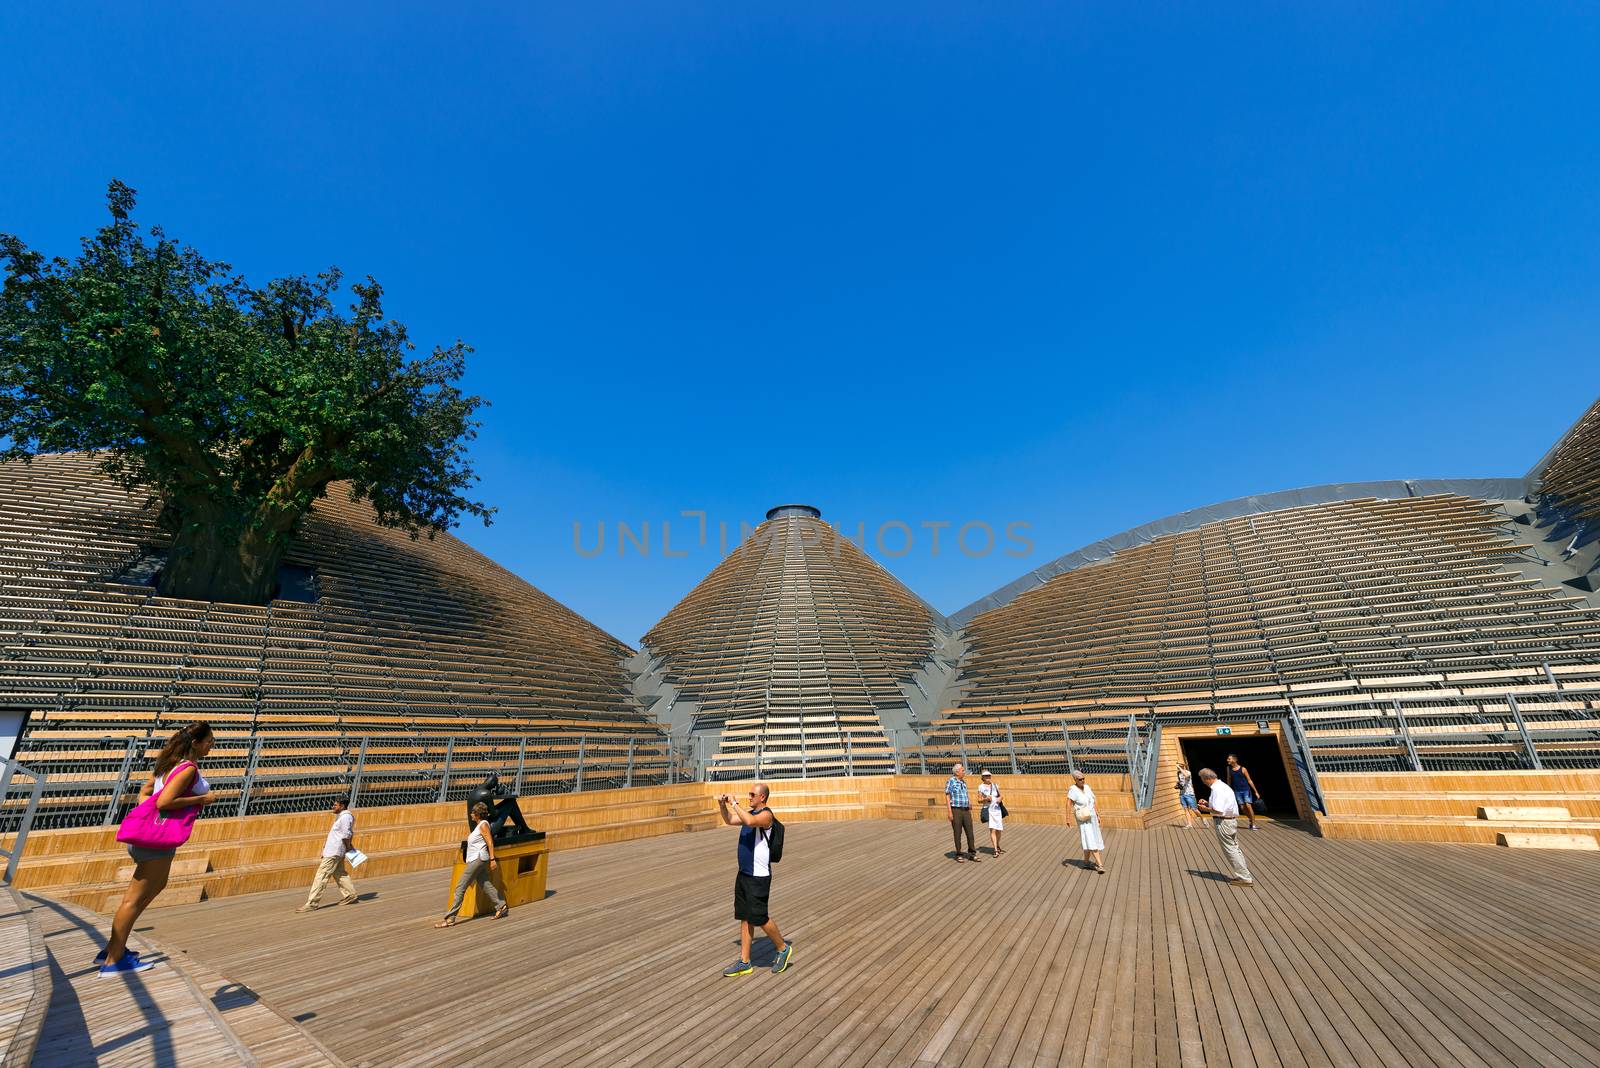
106 897
181 866
1512 814
1462 830
1515 840
228 856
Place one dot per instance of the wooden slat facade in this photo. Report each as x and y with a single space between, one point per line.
406 638
1571 480
1332 592
792 648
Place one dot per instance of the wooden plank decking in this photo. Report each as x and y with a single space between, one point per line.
1345 953
179 1015
24 980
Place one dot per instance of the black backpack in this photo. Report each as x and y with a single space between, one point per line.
774 840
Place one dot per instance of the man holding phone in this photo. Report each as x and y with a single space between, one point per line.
753 885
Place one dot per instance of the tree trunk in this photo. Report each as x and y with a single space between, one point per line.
216 556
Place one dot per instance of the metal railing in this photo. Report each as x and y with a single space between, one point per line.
1536 730
851 752
78 781
1305 764
94 783
15 825
1104 744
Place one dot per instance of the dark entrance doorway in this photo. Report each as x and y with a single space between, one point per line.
1259 753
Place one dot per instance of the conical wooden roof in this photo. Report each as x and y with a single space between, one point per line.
799 646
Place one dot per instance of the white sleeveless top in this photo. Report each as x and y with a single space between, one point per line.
477 848
198 787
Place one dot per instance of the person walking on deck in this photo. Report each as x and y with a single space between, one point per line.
341 839
1244 788
959 802
1223 808
181 791
994 812
480 868
1086 813
1186 794
752 886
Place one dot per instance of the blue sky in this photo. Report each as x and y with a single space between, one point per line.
1072 266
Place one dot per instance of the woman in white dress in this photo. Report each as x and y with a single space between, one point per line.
990 793
1086 813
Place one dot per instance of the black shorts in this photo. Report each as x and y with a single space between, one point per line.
750 898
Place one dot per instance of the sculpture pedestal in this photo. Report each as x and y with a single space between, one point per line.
520 876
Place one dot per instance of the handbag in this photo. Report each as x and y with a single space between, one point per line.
149 828
985 813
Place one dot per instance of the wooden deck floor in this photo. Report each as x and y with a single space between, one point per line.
172 1017
1345 953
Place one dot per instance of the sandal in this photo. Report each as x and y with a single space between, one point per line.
502 912
445 923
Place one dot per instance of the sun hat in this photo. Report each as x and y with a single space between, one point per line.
985 774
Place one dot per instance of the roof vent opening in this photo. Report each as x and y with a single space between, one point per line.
794 509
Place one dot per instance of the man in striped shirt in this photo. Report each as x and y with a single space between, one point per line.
960 804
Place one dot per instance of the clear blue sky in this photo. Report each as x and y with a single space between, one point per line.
1066 265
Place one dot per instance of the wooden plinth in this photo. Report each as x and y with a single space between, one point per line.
520 876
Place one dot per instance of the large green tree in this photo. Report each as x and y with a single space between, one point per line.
235 407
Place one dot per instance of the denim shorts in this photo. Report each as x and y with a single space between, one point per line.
1186 800
140 854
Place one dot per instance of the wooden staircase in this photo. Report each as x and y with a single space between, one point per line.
1036 799
1517 809
226 857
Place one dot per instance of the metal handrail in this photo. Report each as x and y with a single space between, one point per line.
444 764
19 839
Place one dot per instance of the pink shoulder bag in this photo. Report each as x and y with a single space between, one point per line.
150 828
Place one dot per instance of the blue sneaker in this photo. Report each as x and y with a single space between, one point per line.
782 960
737 968
100 957
129 963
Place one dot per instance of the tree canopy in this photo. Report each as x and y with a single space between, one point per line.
235 407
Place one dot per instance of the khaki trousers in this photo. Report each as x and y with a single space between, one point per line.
1228 835
331 868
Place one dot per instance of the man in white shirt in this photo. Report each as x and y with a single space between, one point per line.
341 837
1223 808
